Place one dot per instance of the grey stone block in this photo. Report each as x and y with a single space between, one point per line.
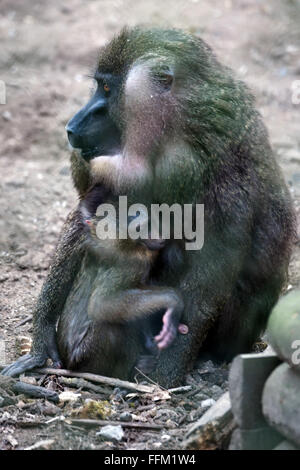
283 329
264 438
281 402
285 445
247 378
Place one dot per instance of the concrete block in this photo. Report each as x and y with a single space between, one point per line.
264 438
285 445
247 378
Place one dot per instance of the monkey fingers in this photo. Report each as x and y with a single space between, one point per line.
168 332
24 363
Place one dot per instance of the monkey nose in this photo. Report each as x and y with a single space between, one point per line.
73 138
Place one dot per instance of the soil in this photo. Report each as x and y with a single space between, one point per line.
47 51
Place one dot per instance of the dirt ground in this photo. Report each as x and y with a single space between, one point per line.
47 51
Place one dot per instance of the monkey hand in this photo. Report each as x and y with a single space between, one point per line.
169 330
33 360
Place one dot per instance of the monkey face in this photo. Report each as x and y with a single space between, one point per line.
93 130
129 109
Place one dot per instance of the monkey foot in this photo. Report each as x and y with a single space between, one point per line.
168 332
24 363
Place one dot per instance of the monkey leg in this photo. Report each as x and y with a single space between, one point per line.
103 348
136 304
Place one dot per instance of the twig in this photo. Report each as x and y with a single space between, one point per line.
148 378
26 320
28 424
41 445
101 422
84 385
185 388
99 379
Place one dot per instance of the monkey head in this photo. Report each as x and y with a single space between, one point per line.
132 108
167 107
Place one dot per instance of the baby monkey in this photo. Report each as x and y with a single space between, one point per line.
119 298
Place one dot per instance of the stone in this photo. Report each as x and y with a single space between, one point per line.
247 378
69 396
285 445
281 402
111 433
264 438
125 416
283 329
207 403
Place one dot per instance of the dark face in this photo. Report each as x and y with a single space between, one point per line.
92 129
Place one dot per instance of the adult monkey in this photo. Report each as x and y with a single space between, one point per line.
204 143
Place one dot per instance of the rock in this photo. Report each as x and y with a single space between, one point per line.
247 378
7 116
284 329
112 433
50 410
12 441
125 416
264 438
207 403
68 396
281 402
285 445
2 401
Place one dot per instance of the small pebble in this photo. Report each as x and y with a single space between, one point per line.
208 403
68 396
112 433
7 116
125 416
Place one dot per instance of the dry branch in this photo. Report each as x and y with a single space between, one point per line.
100 422
113 382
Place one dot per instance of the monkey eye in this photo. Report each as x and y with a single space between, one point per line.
106 88
164 78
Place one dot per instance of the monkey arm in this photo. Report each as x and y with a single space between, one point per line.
50 303
134 304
